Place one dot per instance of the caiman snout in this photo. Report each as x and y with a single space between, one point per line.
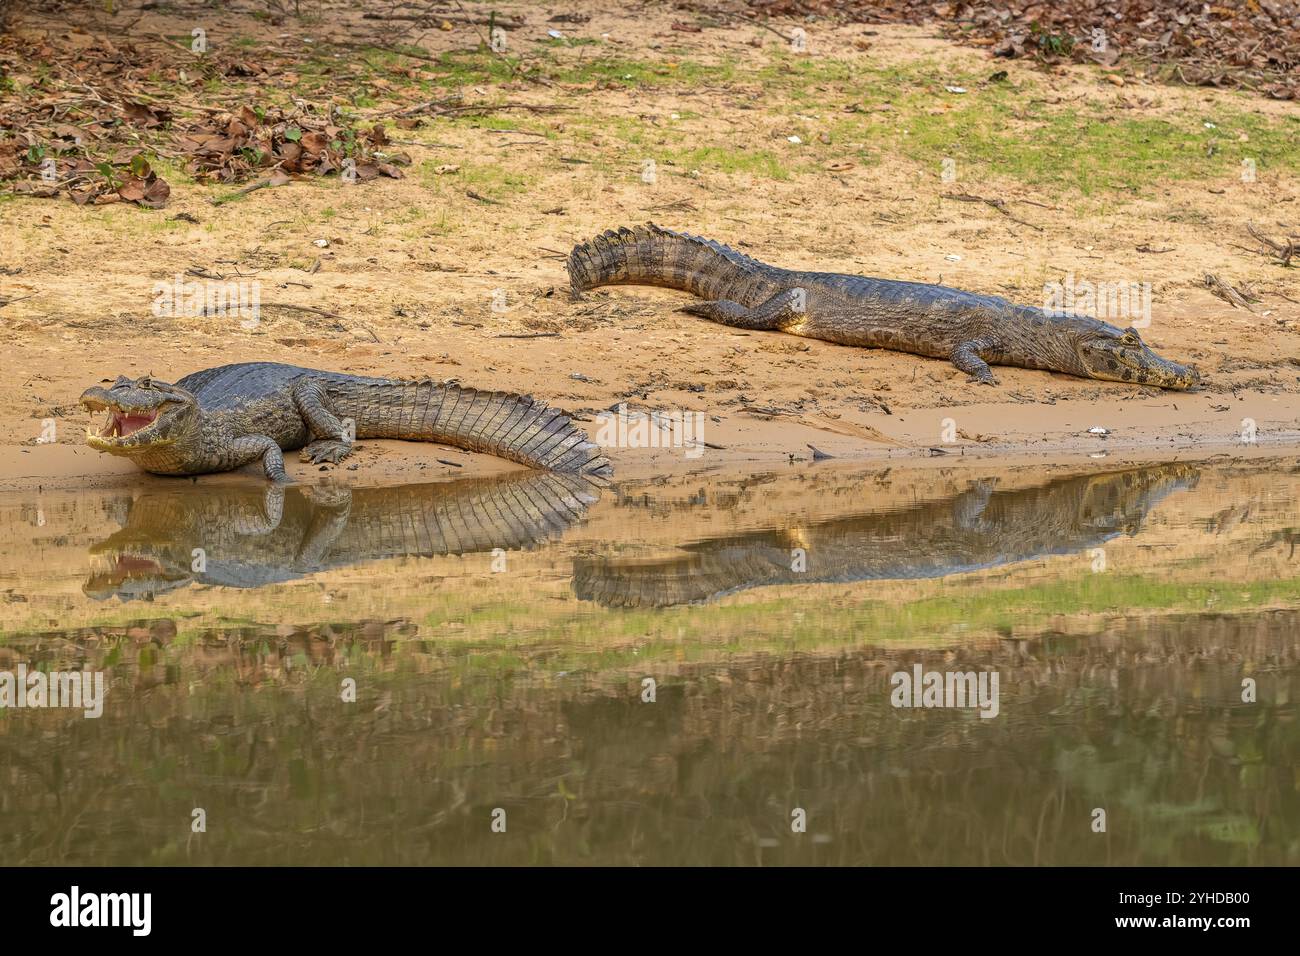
1123 357
138 412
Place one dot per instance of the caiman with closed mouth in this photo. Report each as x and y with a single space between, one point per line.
224 418
971 331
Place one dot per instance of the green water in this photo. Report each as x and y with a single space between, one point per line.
695 671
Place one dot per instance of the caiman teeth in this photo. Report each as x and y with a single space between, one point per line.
120 424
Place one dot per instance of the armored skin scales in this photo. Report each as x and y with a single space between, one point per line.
971 331
224 418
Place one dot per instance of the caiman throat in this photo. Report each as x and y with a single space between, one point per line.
971 331
224 418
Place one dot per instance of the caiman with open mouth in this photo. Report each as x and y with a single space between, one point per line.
224 418
258 536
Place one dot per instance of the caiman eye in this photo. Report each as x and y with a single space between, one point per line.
1130 337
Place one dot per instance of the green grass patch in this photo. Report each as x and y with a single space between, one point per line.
753 162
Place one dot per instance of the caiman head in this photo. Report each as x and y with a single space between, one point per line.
1121 501
136 573
144 415
1121 356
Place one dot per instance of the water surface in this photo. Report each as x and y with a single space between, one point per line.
502 635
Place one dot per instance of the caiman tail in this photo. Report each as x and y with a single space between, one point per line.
515 427
690 579
650 255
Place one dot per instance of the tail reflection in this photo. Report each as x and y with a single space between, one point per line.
248 537
979 528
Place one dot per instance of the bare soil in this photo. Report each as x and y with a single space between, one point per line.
419 277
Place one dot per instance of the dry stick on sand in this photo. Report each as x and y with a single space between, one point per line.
767 26
1284 252
514 67
302 308
1228 294
277 178
298 308
452 106
321 312
998 204
432 15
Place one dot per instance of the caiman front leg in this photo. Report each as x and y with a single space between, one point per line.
260 518
329 517
333 441
246 450
966 357
782 310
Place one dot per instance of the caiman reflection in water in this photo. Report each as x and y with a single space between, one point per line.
250 537
980 528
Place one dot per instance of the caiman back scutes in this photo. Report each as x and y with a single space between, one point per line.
977 529
515 427
651 255
224 418
971 331
252 538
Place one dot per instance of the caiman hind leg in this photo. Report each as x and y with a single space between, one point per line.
966 357
332 438
776 314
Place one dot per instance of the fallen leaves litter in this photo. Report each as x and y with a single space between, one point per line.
93 134
229 148
1253 43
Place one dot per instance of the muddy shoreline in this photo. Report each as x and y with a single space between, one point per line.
835 158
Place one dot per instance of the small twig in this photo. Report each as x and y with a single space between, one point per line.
767 26
998 204
1282 252
1228 294
305 308
528 335
450 17
239 193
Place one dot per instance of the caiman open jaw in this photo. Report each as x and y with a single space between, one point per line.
1117 356
141 414
128 576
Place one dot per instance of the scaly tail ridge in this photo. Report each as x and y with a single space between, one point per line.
515 427
652 255
519 428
